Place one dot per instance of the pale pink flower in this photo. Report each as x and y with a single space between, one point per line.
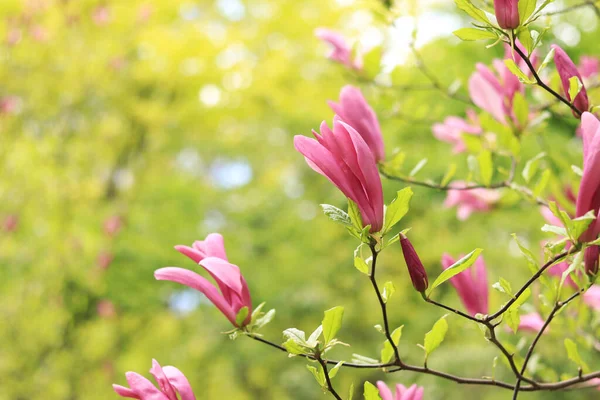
233 293
589 189
471 285
341 50
112 225
106 309
39 33
10 105
171 382
453 128
413 392
589 66
470 201
105 258
356 112
10 223
531 322
343 157
592 297
101 15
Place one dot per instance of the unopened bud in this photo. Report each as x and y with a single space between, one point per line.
591 259
417 273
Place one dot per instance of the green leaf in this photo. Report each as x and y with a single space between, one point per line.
388 291
521 109
372 62
265 319
511 315
526 8
436 335
361 265
471 34
318 374
397 208
531 167
293 347
417 167
575 87
314 337
542 183
486 167
558 230
241 316
351 391
371 392
576 264
472 11
581 224
360 359
524 37
503 286
549 57
388 351
510 63
455 269
525 251
333 371
336 215
296 335
354 214
332 322
573 354
449 174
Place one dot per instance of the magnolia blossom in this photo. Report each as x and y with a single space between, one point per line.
104 259
417 272
495 92
356 112
566 70
10 105
341 51
592 297
402 392
589 66
589 189
453 128
507 13
101 15
531 322
10 223
112 225
343 157
233 293
171 382
470 201
471 285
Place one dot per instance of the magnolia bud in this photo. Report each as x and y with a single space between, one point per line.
416 270
507 13
591 259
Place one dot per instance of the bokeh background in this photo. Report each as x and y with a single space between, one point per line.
128 127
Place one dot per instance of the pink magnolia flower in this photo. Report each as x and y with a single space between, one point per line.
452 129
112 225
356 112
417 272
507 13
101 15
343 157
471 285
589 66
106 309
233 293
589 188
145 12
531 322
566 70
171 382
495 93
470 201
402 393
592 297
10 223
105 258
341 52
10 105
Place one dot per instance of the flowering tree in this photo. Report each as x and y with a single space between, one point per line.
506 104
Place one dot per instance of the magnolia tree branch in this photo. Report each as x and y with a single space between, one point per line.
542 84
327 379
382 304
557 307
589 3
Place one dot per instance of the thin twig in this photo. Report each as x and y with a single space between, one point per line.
327 379
572 8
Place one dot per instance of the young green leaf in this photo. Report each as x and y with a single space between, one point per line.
503 286
531 167
436 335
241 316
397 208
336 215
470 34
486 167
575 87
526 9
265 319
314 337
318 374
388 291
472 11
371 392
293 347
418 167
372 62
525 251
332 322
549 57
521 109
333 371
455 269
296 335
354 214
388 351
573 354
513 67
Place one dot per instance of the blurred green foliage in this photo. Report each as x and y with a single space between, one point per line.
175 119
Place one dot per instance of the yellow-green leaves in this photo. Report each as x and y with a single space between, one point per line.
471 34
397 208
573 354
526 9
371 392
435 336
455 269
575 86
511 315
514 68
388 351
336 215
472 11
332 322
372 62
